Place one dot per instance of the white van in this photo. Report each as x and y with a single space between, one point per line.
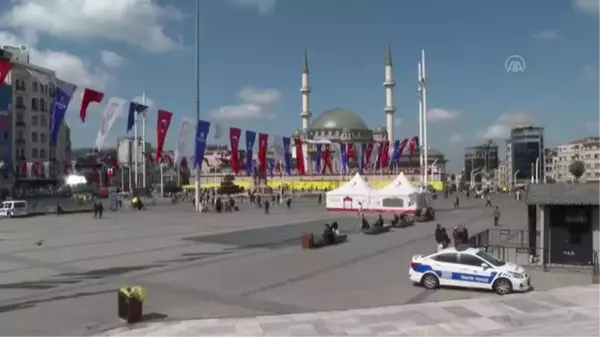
13 208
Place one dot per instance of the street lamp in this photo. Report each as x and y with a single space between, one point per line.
537 170
473 175
431 168
514 182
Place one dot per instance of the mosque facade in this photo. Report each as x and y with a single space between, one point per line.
339 125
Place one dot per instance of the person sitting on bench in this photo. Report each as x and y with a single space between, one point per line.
365 224
379 222
396 220
328 235
336 229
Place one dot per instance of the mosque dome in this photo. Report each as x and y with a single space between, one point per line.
338 118
381 129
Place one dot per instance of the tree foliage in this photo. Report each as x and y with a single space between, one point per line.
228 185
577 169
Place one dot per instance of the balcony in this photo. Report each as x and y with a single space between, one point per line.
21 141
21 107
20 123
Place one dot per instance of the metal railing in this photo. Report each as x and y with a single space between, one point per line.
518 238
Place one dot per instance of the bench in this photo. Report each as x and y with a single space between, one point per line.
376 230
308 241
404 223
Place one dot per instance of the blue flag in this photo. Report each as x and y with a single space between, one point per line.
271 166
343 158
395 154
255 166
201 134
318 158
63 94
250 139
287 154
134 108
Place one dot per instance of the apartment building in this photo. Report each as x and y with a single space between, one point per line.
586 150
27 102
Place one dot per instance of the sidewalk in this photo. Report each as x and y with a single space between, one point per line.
558 312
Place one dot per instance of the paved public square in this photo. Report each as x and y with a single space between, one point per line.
211 266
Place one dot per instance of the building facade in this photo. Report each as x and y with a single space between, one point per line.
527 151
481 161
586 150
28 104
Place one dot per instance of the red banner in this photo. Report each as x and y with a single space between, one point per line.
326 156
234 141
368 156
299 157
162 127
66 167
384 156
350 151
263 144
37 168
412 143
89 96
5 67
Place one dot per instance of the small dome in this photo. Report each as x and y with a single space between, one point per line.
338 118
381 129
297 132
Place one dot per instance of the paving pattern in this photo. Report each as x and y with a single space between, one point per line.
214 266
561 312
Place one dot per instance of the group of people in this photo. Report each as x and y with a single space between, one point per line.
331 234
460 235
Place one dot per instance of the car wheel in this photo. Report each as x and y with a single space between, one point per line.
430 281
502 286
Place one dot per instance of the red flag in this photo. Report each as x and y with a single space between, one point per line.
5 67
385 154
299 156
23 169
326 156
89 96
234 141
412 145
66 167
37 168
350 151
368 155
263 139
162 127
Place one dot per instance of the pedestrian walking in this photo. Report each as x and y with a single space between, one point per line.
496 217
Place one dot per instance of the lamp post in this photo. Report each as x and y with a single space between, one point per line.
197 101
473 175
514 182
431 168
537 170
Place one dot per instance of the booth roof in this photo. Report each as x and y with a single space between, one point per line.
563 194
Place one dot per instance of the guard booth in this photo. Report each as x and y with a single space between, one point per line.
566 218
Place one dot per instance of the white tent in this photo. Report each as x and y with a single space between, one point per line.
350 196
399 196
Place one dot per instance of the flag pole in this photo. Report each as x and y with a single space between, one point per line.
197 100
136 149
421 141
425 142
144 142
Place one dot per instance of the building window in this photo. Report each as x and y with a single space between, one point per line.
19 134
34 153
34 137
42 137
20 85
34 104
43 153
43 105
34 86
34 120
44 120
51 91
20 102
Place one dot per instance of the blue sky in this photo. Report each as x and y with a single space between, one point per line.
251 53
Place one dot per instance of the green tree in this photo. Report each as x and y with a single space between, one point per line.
577 169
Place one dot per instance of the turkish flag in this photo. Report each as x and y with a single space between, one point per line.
262 152
162 127
234 141
326 156
299 156
5 67
367 159
89 96
385 154
412 145
350 151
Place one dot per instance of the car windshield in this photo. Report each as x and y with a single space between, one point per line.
496 262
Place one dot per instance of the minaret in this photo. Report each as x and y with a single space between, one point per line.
389 85
305 91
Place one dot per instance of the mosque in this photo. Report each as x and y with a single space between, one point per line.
340 125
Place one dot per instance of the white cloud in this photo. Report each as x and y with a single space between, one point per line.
456 138
546 35
501 128
67 66
254 104
262 6
111 59
439 115
588 6
136 22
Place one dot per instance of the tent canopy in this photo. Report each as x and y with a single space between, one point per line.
401 186
356 186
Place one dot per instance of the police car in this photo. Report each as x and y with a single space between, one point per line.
468 268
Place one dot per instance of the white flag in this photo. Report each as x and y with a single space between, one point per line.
113 109
186 127
46 169
218 131
278 150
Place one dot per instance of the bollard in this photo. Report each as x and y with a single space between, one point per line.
306 241
130 303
